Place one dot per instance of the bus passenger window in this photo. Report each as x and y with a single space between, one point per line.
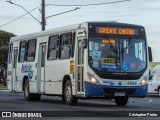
65 50
22 51
31 50
53 47
10 53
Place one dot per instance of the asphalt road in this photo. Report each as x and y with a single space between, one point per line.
87 109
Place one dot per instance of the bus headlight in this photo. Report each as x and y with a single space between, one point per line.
143 82
92 79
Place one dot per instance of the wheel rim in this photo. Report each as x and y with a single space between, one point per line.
68 93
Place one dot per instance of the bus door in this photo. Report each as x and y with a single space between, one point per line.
14 67
80 66
41 68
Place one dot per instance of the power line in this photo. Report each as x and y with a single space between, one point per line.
23 9
17 18
91 4
33 10
63 12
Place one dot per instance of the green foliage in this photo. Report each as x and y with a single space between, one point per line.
4 40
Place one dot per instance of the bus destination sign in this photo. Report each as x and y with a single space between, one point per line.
117 31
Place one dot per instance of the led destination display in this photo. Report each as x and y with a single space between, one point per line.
117 31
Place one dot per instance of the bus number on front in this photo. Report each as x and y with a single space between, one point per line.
107 60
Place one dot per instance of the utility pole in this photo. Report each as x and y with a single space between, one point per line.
43 15
43 22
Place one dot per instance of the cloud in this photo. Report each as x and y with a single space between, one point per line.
149 9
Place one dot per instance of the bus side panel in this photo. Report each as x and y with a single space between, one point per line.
27 69
51 77
19 86
63 70
9 73
53 87
33 86
54 73
20 77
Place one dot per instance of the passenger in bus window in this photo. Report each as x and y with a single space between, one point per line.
22 55
65 52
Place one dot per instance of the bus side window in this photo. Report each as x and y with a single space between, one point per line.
22 51
53 47
31 50
65 51
10 53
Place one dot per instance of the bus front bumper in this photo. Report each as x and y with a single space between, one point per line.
102 90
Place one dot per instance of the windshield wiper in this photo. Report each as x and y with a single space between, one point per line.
125 49
112 46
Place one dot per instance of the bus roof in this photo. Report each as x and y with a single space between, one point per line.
67 28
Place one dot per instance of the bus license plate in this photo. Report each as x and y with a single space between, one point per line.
119 94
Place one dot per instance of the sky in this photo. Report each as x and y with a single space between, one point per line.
141 12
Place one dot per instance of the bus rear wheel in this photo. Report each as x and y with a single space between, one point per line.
121 101
30 96
69 99
159 92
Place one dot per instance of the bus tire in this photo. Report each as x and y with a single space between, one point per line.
63 98
159 92
121 101
69 99
30 96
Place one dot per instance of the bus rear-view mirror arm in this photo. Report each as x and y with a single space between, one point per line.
150 54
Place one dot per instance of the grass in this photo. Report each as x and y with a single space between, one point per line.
3 88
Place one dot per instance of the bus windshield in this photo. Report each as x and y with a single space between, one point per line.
117 54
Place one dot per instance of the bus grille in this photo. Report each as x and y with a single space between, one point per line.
120 77
128 91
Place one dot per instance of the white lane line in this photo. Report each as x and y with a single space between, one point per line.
131 99
150 100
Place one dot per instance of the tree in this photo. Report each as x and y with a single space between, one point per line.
4 41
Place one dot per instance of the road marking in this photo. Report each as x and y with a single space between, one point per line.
150 100
131 99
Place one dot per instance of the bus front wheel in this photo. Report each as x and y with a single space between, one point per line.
30 96
121 101
69 99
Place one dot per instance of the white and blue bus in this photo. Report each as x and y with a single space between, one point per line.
87 60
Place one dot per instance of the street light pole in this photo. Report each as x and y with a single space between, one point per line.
43 15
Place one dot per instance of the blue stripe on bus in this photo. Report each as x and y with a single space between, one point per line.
98 90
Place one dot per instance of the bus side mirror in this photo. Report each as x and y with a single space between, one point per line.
84 43
150 54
